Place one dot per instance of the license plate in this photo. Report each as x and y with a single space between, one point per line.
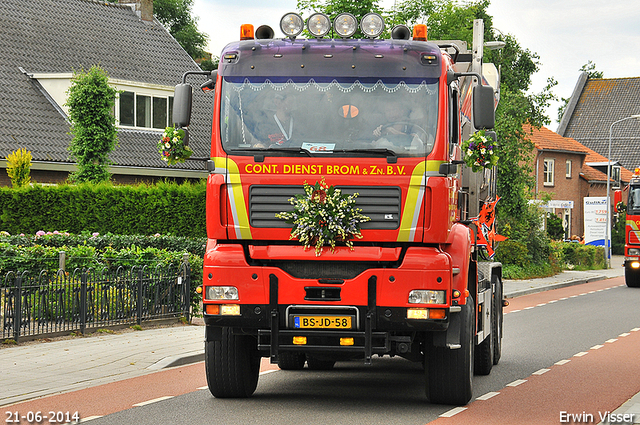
322 322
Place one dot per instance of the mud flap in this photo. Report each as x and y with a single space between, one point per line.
451 337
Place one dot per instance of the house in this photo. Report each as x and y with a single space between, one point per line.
45 41
568 171
593 111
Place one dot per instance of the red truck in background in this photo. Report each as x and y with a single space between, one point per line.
632 231
380 118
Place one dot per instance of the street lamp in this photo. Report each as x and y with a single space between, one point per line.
607 254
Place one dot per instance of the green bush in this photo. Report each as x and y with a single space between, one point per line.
164 208
513 253
41 252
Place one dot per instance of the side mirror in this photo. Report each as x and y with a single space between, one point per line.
182 99
484 114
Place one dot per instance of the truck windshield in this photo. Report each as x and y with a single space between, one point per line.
334 116
634 200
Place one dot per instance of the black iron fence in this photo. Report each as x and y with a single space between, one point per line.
50 303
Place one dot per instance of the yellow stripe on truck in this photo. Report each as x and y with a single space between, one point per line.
230 169
415 196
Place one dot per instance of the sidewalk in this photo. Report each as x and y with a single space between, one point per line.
39 369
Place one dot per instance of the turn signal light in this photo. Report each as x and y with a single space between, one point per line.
212 309
635 264
346 341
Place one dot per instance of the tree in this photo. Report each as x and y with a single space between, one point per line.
91 101
176 16
19 167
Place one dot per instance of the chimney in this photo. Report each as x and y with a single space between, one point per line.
143 8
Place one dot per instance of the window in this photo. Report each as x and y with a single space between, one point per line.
146 111
568 174
548 172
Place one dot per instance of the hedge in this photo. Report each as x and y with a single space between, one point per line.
164 208
34 253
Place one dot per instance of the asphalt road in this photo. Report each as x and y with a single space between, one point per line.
572 350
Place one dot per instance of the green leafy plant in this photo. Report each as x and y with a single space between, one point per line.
172 146
90 101
19 167
324 216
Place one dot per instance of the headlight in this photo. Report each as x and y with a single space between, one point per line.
423 296
221 293
634 251
372 25
319 25
345 25
291 24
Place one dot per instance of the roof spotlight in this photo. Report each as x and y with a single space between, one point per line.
345 25
291 25
372 25
319 25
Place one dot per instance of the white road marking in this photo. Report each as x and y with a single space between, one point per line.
89 418
541 371
611 340
488 395
597 347
516 383
155 400
624 334
580 354
452 412
561 362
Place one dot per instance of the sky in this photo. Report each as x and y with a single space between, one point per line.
565 34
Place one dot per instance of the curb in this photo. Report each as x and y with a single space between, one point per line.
573 282
179 360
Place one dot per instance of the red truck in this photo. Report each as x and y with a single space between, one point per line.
382 121
632 231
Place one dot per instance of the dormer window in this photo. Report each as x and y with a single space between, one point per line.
145 110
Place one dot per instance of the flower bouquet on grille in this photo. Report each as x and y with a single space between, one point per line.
323 216
479 151
173 147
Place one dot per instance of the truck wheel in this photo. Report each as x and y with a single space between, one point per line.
291 361
496 326
449 373
483 356
315 363
232 365
632 277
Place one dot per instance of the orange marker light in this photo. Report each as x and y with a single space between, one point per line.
437 313
246 32
212 309
420 32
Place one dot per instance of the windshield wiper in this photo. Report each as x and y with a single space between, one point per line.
384 151
267 150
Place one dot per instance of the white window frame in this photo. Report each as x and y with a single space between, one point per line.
135 110
569 169
548 171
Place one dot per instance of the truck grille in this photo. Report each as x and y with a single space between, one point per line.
380 203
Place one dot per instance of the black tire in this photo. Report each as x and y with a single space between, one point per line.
315 363
449 373
291 361
632 277
496 327
232 365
